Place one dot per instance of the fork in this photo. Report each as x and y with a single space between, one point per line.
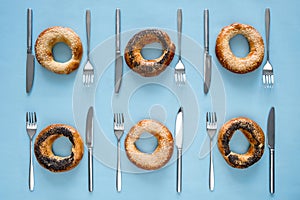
118 130
88 70
180 76
211 128
31 126
268 76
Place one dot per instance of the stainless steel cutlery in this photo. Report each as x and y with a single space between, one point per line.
118 130
88 70
89 138
271 145
31 126
207 57
178 143
211 128
119 58
180 76
30 57
268 74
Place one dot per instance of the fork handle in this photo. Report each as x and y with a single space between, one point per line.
90 169
88 30
119 175
31 172
211 170
267 24
179 30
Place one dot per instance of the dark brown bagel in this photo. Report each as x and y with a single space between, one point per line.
43 148
254 135
235 64
161 154
135 60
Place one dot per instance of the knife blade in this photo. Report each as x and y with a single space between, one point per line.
30 57
119 58
178 143
271 145
207 72
89 143
207 57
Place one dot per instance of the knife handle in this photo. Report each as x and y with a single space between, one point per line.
179 30
206 30
88 29
118 29
29 30
179 170
272 171
90 169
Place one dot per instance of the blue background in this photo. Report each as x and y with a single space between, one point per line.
51 98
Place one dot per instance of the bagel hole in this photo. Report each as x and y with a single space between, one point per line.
147 143
61 52
239 143
152 51
62 147
239 46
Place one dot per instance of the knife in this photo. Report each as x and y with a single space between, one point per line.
30 57
207 72
89 143
119 58
207 57
271 145
178 143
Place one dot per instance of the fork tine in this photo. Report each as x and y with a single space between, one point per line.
87 79
118 119
122 118
115 118
27 117
272 79
92 78
214 117
34 118
184 77
207 117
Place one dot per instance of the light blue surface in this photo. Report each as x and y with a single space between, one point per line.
52 98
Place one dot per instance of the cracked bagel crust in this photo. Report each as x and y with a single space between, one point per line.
254 135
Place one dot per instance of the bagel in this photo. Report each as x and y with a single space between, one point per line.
235 64
43 148
163 152
47 40
138 63
254 135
